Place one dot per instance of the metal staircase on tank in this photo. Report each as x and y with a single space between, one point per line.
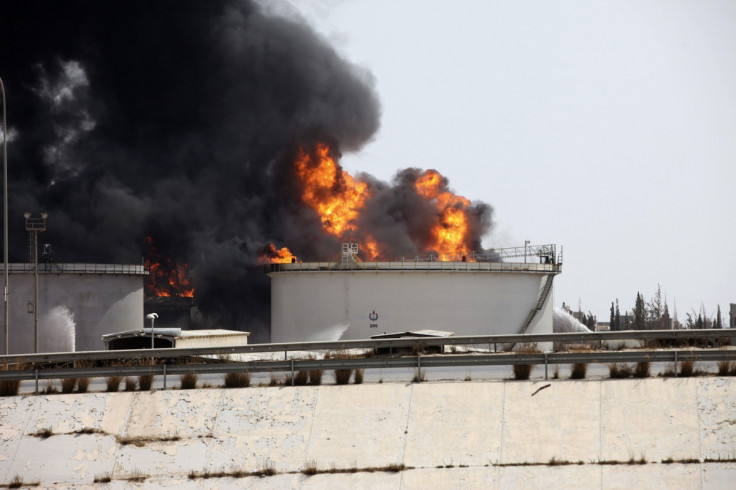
540 303
348 258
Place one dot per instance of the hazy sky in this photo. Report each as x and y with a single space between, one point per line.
606 127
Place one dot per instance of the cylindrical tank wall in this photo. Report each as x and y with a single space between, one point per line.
322 306
72 306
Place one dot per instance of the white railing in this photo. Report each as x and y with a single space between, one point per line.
423 266
79 268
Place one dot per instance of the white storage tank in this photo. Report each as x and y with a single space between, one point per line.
348 299
77 303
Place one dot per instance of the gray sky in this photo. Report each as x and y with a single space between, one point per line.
605 127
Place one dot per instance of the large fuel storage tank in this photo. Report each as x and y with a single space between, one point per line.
348 299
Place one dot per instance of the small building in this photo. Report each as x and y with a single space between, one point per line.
174 338
438 349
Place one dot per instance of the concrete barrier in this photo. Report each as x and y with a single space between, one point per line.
650 433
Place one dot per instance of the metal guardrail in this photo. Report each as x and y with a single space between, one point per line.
419 362
416 362
483 340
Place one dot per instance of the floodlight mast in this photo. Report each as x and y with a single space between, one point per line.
5 216
35 226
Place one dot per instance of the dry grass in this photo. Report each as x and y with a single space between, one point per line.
726 368
105 478
301 378
131 384
642 369
44 433
17 482
342 376
82 385
9 387
579 370
50 388
90 430
68 385
419 377
276 380
140 441
310 468
266 469
315 377
358 378
188 381
619 371
669 372
113 383
237 380
633 460
145 382
687 368
523 371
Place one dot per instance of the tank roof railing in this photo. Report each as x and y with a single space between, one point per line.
532 267
79 268
546 253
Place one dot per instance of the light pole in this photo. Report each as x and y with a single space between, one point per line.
526 242
152 316
35 226
5 214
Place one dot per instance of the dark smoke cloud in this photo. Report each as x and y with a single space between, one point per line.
179 120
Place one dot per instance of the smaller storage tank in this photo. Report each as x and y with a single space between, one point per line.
76 304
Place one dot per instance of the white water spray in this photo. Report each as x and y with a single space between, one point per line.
57 330
565 322
329 334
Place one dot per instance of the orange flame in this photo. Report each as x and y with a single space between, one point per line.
330 191
338 199
450 233
166 278
270 255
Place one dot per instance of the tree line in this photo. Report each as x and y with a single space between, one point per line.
654 315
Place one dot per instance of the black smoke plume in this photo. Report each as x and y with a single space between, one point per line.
178 121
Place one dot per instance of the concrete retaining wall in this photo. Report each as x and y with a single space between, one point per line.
447 435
